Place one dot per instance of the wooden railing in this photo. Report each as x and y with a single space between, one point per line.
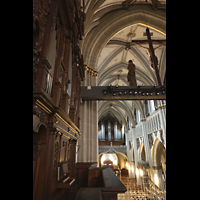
103 184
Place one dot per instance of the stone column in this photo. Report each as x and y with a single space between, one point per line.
162 115
122 132
146 145
135 154
158 176
132 170
126 141
88 140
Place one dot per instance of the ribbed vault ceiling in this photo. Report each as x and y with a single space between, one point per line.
117 49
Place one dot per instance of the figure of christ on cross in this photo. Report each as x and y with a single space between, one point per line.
152 59
148 52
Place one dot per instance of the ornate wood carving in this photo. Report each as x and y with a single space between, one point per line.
40 12
51 108
55 161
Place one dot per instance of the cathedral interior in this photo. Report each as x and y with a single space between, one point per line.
95 136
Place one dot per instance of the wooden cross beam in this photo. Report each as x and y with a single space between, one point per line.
151 50
153 56
147 42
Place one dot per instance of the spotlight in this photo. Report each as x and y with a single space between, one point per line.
162 87
139 92
120 93
147 93
114 94
105 93
143 94
151 93
130 92
157 93
117 86
135 92
125 92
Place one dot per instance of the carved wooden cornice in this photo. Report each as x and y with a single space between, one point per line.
90 70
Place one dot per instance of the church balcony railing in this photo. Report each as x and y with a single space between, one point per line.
117 148
153 124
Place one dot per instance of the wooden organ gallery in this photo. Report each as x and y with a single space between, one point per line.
89 123
57 74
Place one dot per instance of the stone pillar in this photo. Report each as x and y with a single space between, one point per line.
132 170
126 141
135 154
162 115
88 140
122 132
146 145
158 176
115 131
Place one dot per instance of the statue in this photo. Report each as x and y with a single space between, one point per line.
150 58
131 74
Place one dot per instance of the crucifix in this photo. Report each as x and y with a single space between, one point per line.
153 58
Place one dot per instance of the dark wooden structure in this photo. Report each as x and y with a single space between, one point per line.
151 51
57 74
103 184
108 163
90 93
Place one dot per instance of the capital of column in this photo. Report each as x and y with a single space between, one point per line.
162 106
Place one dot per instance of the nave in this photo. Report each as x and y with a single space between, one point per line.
135 192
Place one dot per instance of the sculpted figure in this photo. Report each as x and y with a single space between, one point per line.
131 74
